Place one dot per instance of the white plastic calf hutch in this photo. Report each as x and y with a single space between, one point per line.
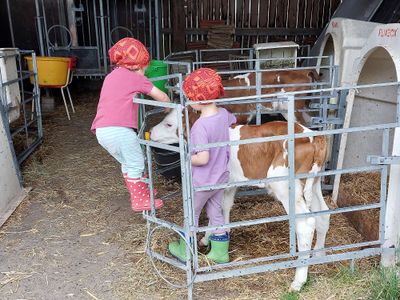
378 62
344 39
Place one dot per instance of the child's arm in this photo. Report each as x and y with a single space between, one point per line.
158 95
200 158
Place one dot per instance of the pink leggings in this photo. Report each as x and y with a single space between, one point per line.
212 201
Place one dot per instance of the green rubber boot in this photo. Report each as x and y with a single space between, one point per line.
219 248
178 249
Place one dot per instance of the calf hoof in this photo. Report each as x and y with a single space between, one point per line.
296 286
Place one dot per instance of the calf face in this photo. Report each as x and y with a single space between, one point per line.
166 131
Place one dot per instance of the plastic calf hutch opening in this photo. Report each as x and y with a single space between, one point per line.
195 271
378 61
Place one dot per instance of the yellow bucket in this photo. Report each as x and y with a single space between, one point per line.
52 71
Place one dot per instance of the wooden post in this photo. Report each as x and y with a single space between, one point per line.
178 26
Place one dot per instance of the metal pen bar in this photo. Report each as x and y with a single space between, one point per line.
163 223
286 217
289 264
243 223
383 186
150 172
156 103
20 129
292 185
375 85
286 255
167 260
263 60
159 145
187 222
258 182
297 136
258 91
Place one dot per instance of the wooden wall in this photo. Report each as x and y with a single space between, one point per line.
255 21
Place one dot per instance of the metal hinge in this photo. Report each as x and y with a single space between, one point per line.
383 160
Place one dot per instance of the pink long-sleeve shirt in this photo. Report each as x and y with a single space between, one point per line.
116 107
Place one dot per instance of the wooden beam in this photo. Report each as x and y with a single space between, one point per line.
255 31
178 26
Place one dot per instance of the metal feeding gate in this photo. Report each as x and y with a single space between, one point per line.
194 269
328 114
20 101
20 126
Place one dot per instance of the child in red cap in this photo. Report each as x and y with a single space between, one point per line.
209 166
116 120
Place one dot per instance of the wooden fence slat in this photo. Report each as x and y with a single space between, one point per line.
264 6
316 14
178 26
280 18
218 10
224 10
254 13
272 13
292 16
300 20
308 13
246 12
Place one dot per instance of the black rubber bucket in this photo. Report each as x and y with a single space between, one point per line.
168 162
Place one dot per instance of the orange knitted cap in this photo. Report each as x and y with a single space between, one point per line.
129 53
203 84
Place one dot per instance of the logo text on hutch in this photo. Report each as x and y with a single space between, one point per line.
390 32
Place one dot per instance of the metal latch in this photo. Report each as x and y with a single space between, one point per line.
383 160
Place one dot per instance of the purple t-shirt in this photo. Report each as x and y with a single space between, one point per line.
212 129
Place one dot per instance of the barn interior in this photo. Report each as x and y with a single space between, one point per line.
70 233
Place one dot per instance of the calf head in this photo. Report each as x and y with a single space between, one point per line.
166 131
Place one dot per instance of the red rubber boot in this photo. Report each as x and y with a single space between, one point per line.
140 195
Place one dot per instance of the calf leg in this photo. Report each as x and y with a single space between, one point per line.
322 221
226 205
305 227
305 231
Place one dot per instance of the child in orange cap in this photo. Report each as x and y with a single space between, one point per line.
116 120
209 166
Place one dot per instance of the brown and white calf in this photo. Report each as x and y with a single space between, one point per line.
266 160
303 78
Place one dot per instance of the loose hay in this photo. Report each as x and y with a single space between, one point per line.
84 200
358 189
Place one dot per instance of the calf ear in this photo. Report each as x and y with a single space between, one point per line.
313 74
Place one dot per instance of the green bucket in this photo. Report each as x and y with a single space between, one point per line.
157 68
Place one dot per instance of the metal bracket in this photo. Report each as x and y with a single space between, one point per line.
316 121
320 106
382 160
